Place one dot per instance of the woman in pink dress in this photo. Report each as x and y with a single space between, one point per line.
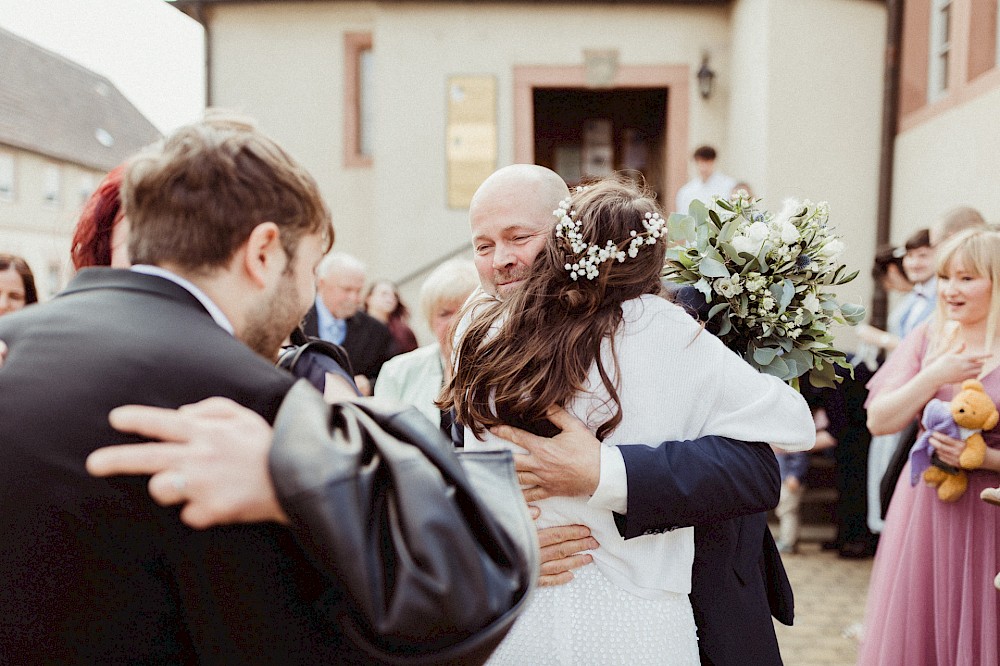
931 599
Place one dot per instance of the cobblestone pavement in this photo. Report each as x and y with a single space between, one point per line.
829 606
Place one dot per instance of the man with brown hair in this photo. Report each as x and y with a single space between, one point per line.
226 232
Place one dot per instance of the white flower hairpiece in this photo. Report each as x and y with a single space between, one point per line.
590 257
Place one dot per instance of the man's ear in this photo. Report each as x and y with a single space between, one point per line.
265 257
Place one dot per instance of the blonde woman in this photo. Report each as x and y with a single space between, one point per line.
931 600
416 377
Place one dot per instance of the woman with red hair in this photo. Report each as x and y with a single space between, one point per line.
101 235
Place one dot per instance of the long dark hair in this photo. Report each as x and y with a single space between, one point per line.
20 266
535 349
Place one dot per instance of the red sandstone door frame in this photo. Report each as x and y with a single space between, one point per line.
675 78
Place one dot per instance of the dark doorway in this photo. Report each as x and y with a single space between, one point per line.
582 133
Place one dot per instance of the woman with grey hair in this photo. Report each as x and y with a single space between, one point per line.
416 377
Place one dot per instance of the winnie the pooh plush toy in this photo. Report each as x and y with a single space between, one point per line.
969 413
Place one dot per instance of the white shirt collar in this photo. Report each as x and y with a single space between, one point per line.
213 309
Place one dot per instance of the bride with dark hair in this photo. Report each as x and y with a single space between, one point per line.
589 331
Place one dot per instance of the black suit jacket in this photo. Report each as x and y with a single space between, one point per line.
367 341
93 571
723 488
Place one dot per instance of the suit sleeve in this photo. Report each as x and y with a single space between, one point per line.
697 482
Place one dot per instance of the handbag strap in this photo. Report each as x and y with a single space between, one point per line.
301 343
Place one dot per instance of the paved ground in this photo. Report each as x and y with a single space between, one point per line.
829 605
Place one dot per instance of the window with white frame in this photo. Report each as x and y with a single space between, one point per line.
51 182
940 48
6 177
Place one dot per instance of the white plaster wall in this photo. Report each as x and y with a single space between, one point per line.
283 64
418 45
950 160
746 151
824 100
795 109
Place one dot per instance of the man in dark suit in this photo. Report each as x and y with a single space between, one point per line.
336 316
226 230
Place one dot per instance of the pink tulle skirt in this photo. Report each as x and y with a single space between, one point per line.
931 600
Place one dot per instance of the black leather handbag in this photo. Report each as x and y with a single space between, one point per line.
435 549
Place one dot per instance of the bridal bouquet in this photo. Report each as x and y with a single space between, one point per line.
765 276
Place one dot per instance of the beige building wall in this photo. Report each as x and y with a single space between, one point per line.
283 65
38 230
947 161
483 39
795 110
805 114
394 214
747 84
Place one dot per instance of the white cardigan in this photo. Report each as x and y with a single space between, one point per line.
677 382
414 378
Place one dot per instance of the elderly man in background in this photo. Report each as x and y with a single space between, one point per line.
336 316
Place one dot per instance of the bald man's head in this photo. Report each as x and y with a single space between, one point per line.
511 218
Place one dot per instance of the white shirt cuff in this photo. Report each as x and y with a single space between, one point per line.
612 488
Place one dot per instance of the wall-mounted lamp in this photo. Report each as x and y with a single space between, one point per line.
705 77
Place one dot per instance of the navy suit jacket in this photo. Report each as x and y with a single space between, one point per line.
723 488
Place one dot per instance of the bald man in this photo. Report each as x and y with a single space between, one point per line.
721 487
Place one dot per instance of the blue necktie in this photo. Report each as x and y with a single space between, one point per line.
336 331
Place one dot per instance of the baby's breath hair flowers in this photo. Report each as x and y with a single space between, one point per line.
587 258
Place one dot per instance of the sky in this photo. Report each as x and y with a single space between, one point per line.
149 50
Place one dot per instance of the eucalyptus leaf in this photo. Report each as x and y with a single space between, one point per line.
787 292
848 278
793 369
765 355
852 312
716 309
712 268
776 367
699 212
734 256
714 217
728 231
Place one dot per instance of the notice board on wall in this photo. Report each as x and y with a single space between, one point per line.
471 141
